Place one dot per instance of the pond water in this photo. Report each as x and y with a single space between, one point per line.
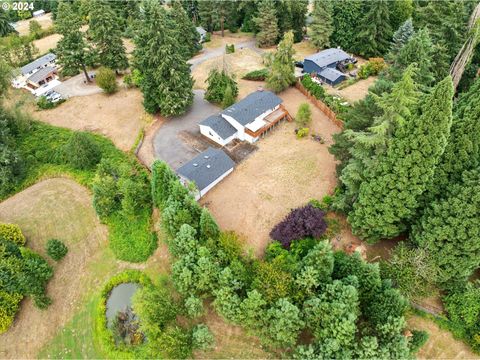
120 298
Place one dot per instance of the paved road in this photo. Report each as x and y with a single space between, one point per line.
207 54
167 144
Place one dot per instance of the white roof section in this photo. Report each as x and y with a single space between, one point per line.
41 61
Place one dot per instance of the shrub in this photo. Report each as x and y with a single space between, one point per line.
106 79
9 305
228 98
208 37
45 104
56 249
256 75
202 338
81 151
302 132
306 221
194 306
418 339
304 115
371 68
313 88
35 29
229 49
218 82
12 232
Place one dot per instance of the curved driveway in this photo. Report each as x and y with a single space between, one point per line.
168 146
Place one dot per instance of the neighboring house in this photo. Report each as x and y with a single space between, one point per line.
203 33
324 65
206 170
41 77
27 71
38 13
245 120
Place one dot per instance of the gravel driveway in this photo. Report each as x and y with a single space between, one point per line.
168 145
76 86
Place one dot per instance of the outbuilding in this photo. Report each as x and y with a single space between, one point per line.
206 170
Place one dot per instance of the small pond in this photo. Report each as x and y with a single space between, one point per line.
120 298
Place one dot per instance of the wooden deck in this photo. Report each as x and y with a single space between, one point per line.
271 120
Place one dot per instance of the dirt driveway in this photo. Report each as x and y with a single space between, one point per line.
77 86
282 174
170 143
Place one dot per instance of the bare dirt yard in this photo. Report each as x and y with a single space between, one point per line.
239 63
22 26
119 117
48 42
282 174
353 92
440 344
55 208
216 40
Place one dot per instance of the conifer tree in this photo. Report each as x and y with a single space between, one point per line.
166 82
298 11
401 37
449 230
375 32
208 14
106 34
321 27
186 35
5 27
366 145
228 98
282 70
463 148
266 23
389 197
73 51
418 50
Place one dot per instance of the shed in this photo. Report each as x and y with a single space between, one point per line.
38 13
202 32
206 170
331 76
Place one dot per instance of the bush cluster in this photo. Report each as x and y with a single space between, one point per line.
45 104
229 49
56 249
217 84
256 75
371 68
106 80
23 273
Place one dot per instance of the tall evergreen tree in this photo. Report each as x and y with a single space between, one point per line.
375 32
191 7
105 32
400 11
208 13
298 11
282 71
463 149
267 24
389 197
321 27
447 22
5 27
73 51
401 37
449 230
166 81
419 50
347 16
367 145
186 35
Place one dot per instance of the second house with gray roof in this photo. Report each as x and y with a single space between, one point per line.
246 120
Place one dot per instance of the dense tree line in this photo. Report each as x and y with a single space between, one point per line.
343 301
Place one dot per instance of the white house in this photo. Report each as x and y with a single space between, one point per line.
206 170
37 73
202 32
245 120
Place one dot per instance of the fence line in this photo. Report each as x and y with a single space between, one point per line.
320 104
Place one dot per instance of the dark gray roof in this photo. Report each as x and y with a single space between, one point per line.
328 57
221 126
41 61
331 74
41 74
245 111
206 167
